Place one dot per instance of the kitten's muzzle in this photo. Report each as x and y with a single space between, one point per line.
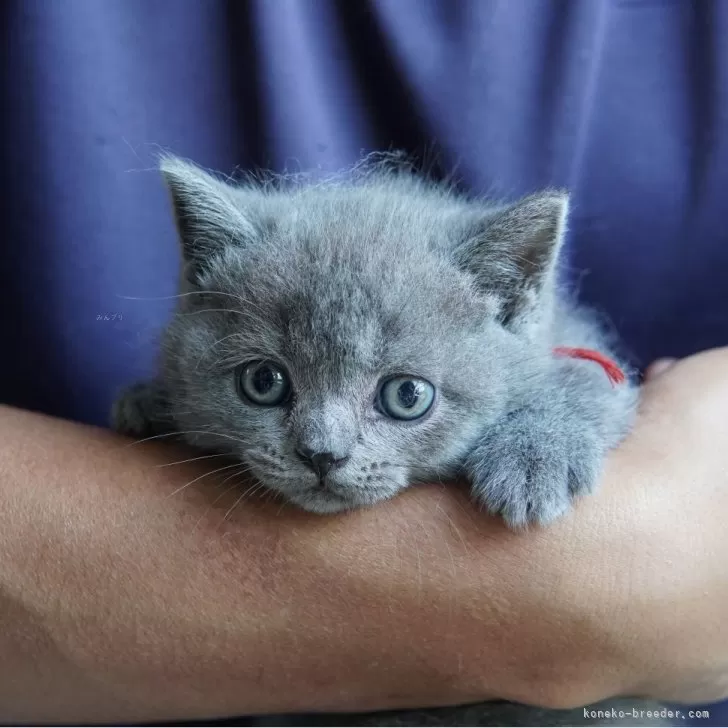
322 463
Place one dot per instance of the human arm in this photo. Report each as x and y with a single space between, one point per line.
121 602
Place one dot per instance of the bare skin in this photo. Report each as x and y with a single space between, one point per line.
125 596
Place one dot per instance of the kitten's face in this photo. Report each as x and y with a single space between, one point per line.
391 372
333 344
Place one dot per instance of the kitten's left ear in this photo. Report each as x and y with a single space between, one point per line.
513 252
207 216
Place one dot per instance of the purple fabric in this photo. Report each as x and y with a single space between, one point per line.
625 103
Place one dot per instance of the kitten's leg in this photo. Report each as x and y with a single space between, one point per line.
531 464
142 411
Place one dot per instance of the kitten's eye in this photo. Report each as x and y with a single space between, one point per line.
263 383
406 398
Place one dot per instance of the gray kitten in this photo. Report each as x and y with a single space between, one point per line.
348 338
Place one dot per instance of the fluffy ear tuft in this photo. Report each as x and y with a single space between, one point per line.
205 210
513 251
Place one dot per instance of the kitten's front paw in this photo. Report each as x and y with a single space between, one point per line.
528 470
139 411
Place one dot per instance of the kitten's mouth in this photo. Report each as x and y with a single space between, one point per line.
326 488
323 500
327 495
324 485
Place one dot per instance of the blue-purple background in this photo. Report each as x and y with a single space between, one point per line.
624 102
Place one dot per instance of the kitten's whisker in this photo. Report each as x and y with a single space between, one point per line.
217 310
243 470
207 510
219 341
214 433
152 437
186 432
233 486
246 494
191 460
233 507
179 295
200 477
256 489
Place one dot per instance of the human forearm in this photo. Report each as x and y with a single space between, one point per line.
121 601
124 598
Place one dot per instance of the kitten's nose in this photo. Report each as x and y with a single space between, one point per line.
320 462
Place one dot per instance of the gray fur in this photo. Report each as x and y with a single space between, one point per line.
347 281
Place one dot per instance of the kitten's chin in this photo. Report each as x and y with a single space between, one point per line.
323 505
326 503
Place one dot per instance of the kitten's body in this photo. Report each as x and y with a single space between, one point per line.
350 285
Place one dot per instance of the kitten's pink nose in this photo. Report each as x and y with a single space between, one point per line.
320 462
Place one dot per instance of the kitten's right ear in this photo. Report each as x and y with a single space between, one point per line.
513 253
207 217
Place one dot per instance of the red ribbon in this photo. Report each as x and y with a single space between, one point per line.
611 369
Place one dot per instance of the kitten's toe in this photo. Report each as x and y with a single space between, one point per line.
137 411
522 487
585 467
533 479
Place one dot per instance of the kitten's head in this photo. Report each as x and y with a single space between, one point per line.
346 339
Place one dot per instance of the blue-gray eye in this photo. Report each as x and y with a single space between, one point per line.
406 398
263 383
